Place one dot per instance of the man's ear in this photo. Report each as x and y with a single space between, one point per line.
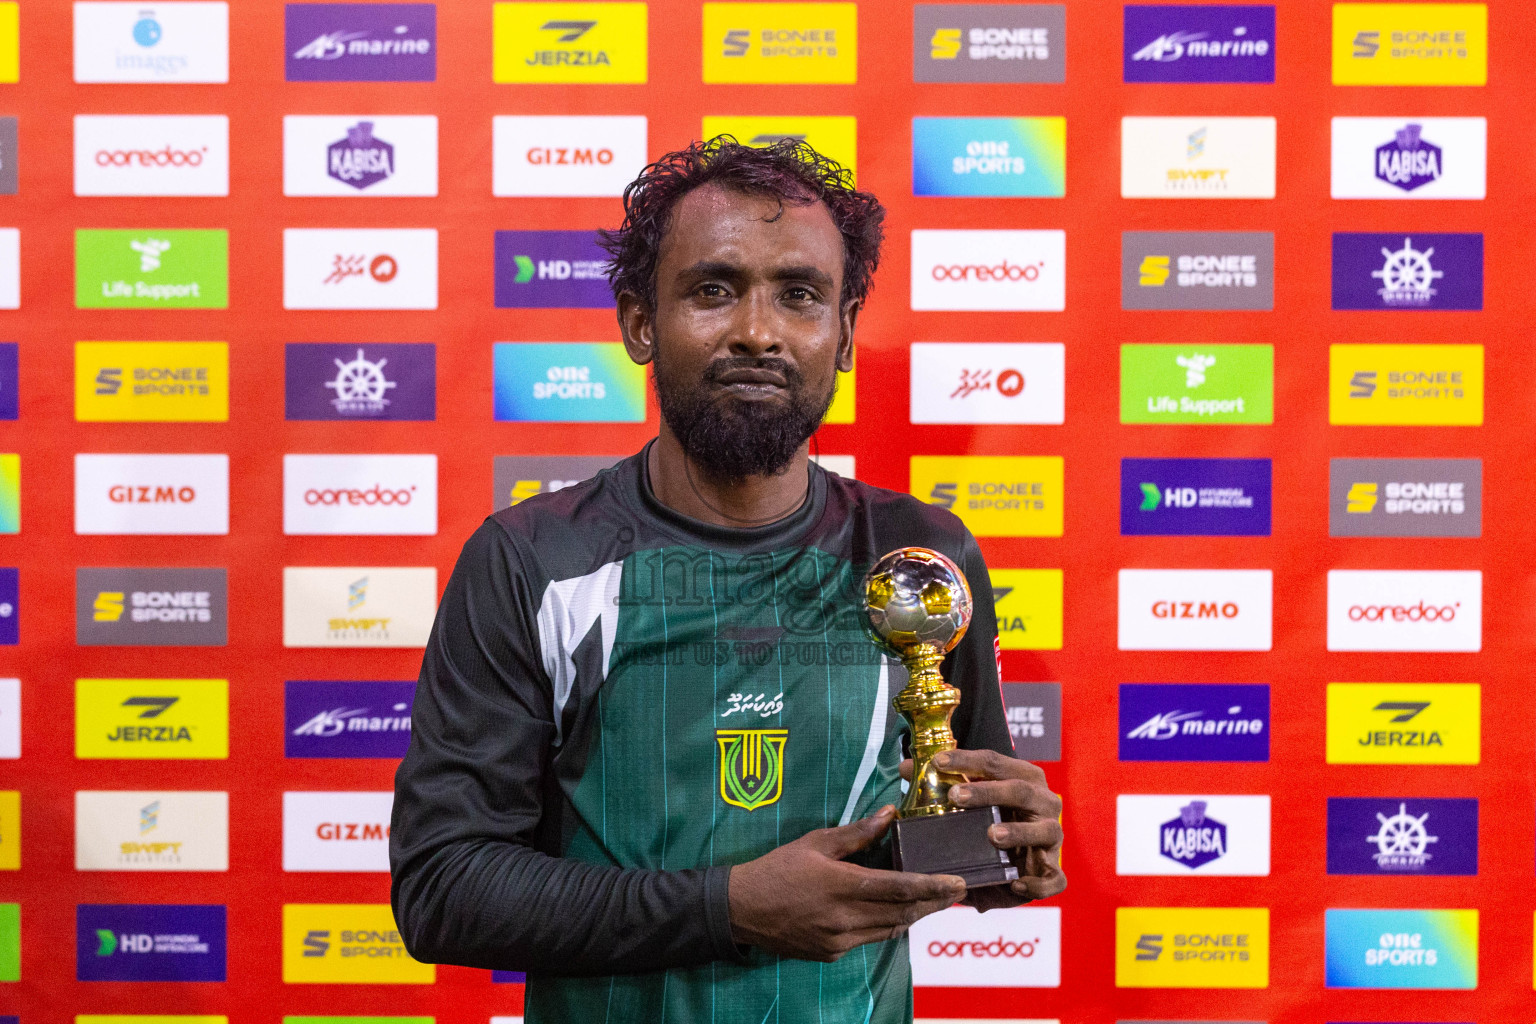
850 319
636 327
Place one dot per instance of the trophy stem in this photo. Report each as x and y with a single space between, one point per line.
927 702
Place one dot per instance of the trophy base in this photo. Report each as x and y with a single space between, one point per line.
953 844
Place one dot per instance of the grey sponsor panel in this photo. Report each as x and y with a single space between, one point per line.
151 607
515 477
1034 719
8 177
1405 497
989 43
1197 270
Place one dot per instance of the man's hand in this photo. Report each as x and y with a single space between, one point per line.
803 901
1033 835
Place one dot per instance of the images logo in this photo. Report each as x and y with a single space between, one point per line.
173 495
1033 711
565 155
359 156
1417 158
1197 270
1405 610
989 43
1410 44
390 381
359 268
1028 605
1404 723
516 477
1196 158
1205 43
151 607
543 382
1195 497
151 155
151 381
118 830
347 944
347 719
1184 835
551 270
1018 948
1394 271
989 270
1405 497
995 496
344 831
149 942
139 719
1197 384
569 42
358 607
781 43
1194 722
1423 949
151 269
360 495
988 382
360 42
833 137
171 42
1405 385
1195 609
1401 836
1191 947
989 156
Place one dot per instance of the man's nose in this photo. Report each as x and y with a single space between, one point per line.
755 329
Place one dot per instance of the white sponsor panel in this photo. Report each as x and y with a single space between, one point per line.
151 494
359 268
1195 609
360 495
1197 157
10 268
565 155
151 830
10 719
1405 610
989 270
1019 947
988 382
1192 835
151 155
172 41
362 606
1410 158
347 831
360 155
842 465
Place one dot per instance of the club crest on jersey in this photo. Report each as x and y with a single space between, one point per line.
751 766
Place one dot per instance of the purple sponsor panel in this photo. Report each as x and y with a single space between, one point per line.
551 270
1407 270
1199 43
394 381
1382 835
1194 722
514 977
149 942
1195 497
347 719
360 42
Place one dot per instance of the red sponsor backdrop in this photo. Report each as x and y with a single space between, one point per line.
465 325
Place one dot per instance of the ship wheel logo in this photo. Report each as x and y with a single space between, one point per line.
1407 277
360 385
1402 839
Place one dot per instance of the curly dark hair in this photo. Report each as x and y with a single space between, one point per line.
789 170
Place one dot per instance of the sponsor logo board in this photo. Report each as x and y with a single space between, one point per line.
1192 947
10 149
1033 711
988 382
1410 158
1405 497
1195 609
10 53
989 43
360 42
151 155
1401 836
1407 271
551 270
1405 385
1197 157
360 155
567 382
568 42
1204 43
151 381
1410 44
151 268
1018 947
781 43
149 942
10 941
989 270
387 381
360 495
515 477
833 137
989 156
348 944
1028 603
151 607
10 830
1194 722
336 831
1189 270
1192 835
10 268
1195 497
995 496
1404 723
10 717
10 380
150 719
10 606
1405 610
359 268
10 493
168 43
170 495
1197 383
1423 949
565 155
347 719
372 606
151 830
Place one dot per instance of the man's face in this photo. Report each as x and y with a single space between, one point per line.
749 330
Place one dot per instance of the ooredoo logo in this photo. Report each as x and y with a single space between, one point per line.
151 494
360 494
1017 948
1405 610
151 155
564 155
989 270
1195 609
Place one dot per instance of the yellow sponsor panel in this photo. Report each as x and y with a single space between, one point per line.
1192 947
10 830
1028 604
151 381
841 409
995 496
778 44
347 944
1410 44
139 719
148 1018
10 42
1404 723
832 137
568 42
1405 385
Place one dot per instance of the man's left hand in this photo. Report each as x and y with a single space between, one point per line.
1030 831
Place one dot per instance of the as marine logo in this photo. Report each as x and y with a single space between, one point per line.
751 766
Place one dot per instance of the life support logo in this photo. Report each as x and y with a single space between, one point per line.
1014 948
365 495
1191 947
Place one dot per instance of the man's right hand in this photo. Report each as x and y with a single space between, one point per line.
804 901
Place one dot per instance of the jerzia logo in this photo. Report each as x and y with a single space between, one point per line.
751 766
1404 723
569 42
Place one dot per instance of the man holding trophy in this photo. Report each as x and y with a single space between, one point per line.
666 717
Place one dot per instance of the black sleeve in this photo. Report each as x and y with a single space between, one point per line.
972 667
468 885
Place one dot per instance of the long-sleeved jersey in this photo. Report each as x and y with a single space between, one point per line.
617 703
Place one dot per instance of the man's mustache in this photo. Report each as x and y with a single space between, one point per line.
718 368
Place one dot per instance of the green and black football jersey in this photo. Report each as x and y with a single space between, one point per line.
617 703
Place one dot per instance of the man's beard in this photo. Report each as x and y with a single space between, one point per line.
730 439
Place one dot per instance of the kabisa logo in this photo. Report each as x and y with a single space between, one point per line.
151 155
1417 949
1206 43
347 719
1033 711
989 156
151 269
360 268
517 477
1191 947
360 159
989 43
1401 836
347 943
567 382
1197 270
1410 44
172 42
1195 497
1192 839
151 607
988 382
1405 497
360 42
1421 158
1194 722
1183 835
534 155
1404 723
989 270
149 942
336 831
1020 948
1405 610
551 270
392 381
127 830
1398 271
569 42
360 155
1204 384
995 496
1409 160
1028 606
758 43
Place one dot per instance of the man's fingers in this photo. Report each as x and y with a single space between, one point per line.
1033 888
989 764
905 769
1014 834
844 840
1035 801
874 886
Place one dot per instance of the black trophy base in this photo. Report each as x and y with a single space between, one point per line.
953 844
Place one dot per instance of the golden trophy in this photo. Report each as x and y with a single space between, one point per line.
917 606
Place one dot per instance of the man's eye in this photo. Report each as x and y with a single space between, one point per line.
798 294
712 291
